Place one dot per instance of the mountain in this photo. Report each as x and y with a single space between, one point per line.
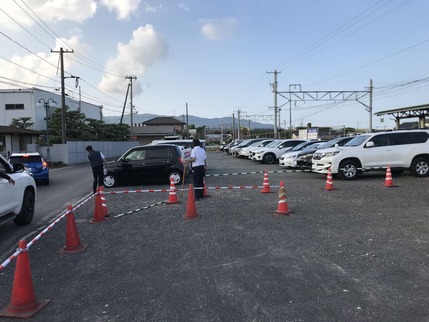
197 121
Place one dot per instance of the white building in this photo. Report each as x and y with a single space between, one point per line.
16 103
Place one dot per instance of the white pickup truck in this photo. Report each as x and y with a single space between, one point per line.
16 200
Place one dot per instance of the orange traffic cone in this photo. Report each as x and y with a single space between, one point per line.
388 182
172 195
73 244
103 202
98 210
266 183
23 303
206 191
329 181
282 208
191 210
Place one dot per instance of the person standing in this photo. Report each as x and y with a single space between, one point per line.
98 162
199 166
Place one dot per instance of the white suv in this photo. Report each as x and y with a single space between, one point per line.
272 152
16 200
401 150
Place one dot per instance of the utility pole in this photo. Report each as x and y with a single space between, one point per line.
63 94
233 127
275 100
131 103
238 119
187 122
370 105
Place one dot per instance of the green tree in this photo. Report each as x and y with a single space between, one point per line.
22 122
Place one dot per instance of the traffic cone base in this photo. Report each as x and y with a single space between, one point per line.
282 208
73 244
191 210
23 303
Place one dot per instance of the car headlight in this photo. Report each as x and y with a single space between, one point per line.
330 154
290 156
260 152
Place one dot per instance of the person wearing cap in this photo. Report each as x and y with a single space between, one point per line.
199 166
98 162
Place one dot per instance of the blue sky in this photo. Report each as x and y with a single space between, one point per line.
216 55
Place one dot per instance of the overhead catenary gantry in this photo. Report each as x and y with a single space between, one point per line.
295 94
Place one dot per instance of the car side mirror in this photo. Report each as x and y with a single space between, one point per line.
18 167
370 144
336 145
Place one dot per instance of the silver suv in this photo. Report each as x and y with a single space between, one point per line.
401 150
16 200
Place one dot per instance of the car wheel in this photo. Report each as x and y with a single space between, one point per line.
25 216
109 181
176 175
420 167
269 158
348 170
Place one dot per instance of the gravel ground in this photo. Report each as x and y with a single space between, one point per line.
357 253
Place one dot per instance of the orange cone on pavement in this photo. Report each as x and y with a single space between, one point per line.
172 195
388 182
98 210
329 181
191 210
73 244
23 303
282 208
266 184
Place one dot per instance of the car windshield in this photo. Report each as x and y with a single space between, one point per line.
311 147
299 146
357 140
274 144
329 144
26 159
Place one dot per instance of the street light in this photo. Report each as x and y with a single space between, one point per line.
47 104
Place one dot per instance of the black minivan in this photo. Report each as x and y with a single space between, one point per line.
144 164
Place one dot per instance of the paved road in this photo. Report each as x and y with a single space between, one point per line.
358 253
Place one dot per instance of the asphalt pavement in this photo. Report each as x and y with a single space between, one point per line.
356 253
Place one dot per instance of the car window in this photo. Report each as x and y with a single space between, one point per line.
158 154
381 140
418 137
399 138
136 155
358 140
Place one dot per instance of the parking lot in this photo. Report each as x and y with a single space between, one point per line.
356 253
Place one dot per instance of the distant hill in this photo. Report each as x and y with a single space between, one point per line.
197 121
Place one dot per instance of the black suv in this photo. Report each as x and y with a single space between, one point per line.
144 164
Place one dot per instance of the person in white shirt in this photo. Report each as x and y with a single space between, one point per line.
199 166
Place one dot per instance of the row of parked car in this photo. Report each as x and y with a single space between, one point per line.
346 156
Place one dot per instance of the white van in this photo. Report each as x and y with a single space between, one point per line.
401 150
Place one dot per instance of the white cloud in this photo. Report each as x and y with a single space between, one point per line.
123 8
144 49
183 6
41 69
218 29
49 11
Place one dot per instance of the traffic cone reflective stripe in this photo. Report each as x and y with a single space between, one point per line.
266 184
103 201
73 244
283 207
191 210
172 195
98 210
23 303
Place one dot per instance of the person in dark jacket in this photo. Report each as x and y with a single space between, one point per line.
98 162
7 177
